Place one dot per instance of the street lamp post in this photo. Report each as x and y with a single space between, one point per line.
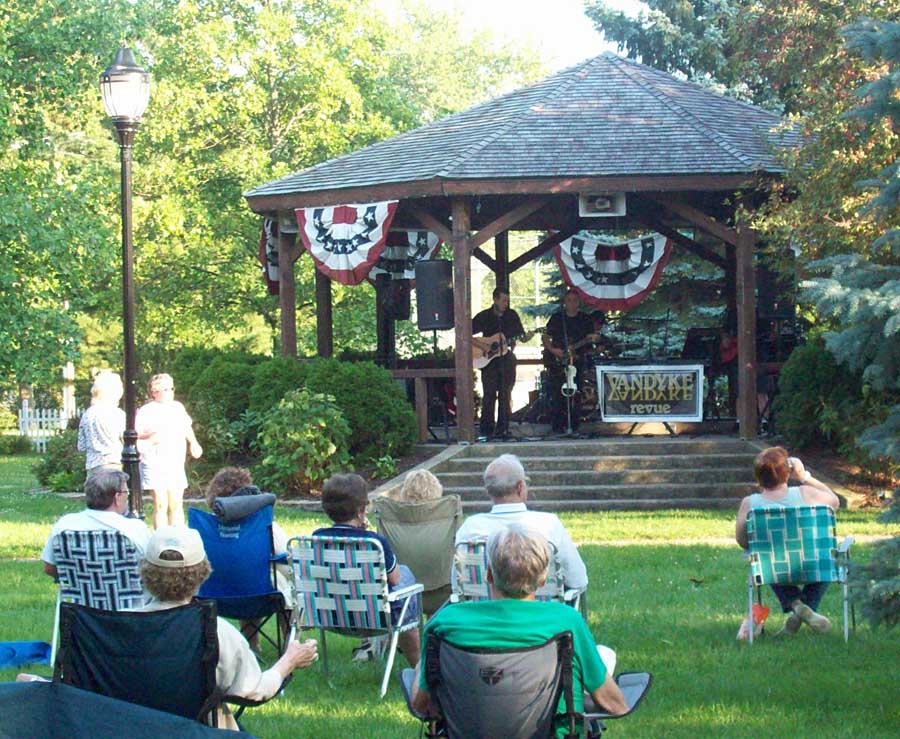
125 88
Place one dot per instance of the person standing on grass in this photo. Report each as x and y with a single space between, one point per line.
102 425
165 432
773 469
106 495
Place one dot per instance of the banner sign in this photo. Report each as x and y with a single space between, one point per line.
403 248
268 255
612 277
638 393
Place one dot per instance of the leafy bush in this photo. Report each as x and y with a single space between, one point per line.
14 444
380 417
62 467
8 420
876 584
273 379
303 441
217 401
190 363
816 396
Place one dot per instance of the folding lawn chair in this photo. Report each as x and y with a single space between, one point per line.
469 578
422 535
98 569
340 585
160 659
508 693
791 546
243 568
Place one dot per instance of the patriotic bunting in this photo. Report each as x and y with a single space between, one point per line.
402 250
612 277
345 241
268 254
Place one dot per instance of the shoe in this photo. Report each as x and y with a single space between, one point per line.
364 652
816 621
791 626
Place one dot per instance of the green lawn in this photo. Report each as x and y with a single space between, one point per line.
667 593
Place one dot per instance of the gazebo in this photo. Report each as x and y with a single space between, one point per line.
678 155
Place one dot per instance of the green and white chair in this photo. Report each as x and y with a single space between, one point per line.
340 585
793 546
469 577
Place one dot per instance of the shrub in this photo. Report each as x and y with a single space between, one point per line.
303 441
62 467
273 379
382 422
190 363
815 396
8 419
14 444
217 401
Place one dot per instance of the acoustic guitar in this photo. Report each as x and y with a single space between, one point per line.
498 345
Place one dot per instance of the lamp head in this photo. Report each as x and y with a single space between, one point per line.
125 88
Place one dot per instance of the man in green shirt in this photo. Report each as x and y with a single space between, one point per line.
518 562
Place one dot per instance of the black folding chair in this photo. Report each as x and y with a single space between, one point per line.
507 693
159 659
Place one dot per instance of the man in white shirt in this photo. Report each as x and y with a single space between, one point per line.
106 494
504 480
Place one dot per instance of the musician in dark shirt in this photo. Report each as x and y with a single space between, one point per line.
499 326
569 331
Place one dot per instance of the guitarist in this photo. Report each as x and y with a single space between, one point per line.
567 331
498 325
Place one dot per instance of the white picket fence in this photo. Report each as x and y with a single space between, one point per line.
42 424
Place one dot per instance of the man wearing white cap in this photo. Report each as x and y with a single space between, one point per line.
173 569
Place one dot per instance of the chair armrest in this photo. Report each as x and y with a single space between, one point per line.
844 548
634 686
407 675
409 590
238 700
279 559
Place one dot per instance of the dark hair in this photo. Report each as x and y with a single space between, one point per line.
770 468
100 489
498 291
225 482
344 496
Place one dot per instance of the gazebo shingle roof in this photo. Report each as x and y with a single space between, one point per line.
607 116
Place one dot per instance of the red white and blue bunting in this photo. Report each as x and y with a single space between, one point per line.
268 254
612 277
345 241
402 250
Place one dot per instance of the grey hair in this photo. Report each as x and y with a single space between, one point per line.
518 559
107 387
100 489
502 475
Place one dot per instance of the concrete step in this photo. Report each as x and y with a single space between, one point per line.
543 495
534 463
617 504
596 447
561 477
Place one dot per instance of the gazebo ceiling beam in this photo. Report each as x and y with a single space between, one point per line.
683 241
507 220
698 218
431 222
542 248
486 259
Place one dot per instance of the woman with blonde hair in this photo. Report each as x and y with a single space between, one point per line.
165 432
102 425
419 486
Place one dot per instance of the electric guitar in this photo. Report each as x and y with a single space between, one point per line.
551 360
497 345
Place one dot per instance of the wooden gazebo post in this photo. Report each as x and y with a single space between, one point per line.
324 321
462 298
746 317
288 252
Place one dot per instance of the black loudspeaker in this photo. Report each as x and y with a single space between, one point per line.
434 294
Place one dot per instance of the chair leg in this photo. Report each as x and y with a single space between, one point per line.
324 642
846 594
55 639
750 606
392 651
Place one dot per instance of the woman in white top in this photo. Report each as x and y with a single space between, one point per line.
165 432
102 425
773 469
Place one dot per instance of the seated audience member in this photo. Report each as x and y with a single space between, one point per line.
106 496
174 568
773 470
236 481
504 480
517 567
418 486
344 500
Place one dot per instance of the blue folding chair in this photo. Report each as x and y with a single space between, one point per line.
243 576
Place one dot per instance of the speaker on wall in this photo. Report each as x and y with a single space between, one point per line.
434 294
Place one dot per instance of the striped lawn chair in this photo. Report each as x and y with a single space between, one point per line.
469 577
340 585
792 546
99 569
